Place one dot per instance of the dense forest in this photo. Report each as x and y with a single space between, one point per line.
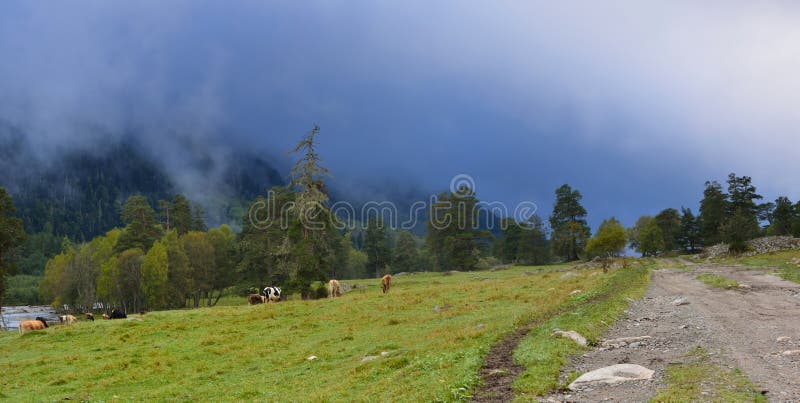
117 235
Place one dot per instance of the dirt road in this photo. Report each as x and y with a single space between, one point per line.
747 328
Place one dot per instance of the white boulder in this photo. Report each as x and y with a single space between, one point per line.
612 375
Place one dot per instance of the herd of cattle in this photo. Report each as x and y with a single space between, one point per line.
273 294
40 323
268 294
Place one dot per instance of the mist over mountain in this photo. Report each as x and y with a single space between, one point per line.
78 192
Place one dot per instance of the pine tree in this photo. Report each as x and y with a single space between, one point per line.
182 220
453 238
406 256
141 226
12 234
713 210
742 196
783 217
689 238
533 246
313 251
568 221
669 220
198 218
376 246
509 244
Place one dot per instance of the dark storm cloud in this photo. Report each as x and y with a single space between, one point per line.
634 103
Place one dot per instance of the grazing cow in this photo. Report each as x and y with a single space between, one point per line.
38 324
255 299
106 317
272 294
67 319
89 316
386 282
334 289
117 314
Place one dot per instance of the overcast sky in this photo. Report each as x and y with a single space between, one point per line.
635 103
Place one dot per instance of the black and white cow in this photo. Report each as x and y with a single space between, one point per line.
272 294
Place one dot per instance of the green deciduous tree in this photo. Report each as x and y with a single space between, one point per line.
223 241
651 239
155 274
610 239
201 264
179 280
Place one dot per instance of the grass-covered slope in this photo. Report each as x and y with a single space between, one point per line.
590 313
260 352
787 263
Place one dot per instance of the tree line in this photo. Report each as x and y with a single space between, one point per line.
733 217
164 256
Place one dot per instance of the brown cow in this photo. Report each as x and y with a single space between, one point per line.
28 325
106 317
255 299
386 282
67 319
89 316
334 289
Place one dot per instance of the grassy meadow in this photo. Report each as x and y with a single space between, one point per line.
260 352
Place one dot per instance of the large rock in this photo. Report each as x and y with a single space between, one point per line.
571 334
612 375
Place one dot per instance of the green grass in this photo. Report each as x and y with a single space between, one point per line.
687 382
234 353
717 281
781 261
590 314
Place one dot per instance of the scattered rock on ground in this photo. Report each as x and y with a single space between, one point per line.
680 301
575 292
612 375
624 341
790 353
312 358
783 339
571 334
369 358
